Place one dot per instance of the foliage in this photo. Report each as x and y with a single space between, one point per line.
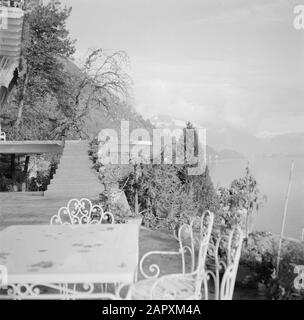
239 202
168 196
99 83
36 178
54 97
204 192
45 42
6 184
8 181
244 192
42 178
260 256
166 200
108 206
157 187
112 174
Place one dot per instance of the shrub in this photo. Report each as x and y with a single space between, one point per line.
161 195
240 201
260 256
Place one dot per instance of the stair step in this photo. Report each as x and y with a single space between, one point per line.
72 164
74 175
68 186
76 194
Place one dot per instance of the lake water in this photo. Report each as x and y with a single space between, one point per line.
272 176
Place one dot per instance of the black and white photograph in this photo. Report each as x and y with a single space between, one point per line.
151 150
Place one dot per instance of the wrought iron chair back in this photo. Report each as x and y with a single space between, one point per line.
189 237
193 236
226 254
203 238
196 233
81 212
187 247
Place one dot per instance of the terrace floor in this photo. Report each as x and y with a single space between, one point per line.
33 208
27 208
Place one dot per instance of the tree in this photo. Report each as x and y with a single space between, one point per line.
242 199
45 41
203 190
205 193
54 96
100 82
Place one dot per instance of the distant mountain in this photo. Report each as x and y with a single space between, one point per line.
235 142
227 142
230 154
167 122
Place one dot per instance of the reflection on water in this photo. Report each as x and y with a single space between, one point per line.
272 176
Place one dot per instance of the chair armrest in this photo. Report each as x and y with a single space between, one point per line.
153 268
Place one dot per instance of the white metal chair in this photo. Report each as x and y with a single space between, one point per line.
189 237
81 212
183 285
223 265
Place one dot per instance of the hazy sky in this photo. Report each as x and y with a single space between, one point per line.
226 62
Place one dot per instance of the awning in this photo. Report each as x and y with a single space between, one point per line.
10 42
30 147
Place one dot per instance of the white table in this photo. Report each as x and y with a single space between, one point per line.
47 262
